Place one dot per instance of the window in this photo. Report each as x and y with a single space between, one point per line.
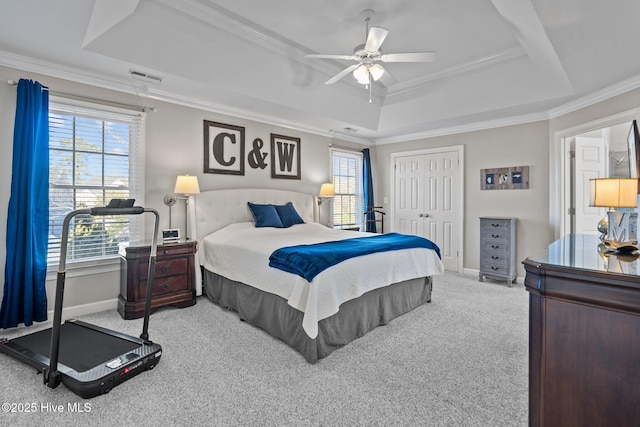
348 211
95 155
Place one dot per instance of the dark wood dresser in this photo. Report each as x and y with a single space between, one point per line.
173 283
584 336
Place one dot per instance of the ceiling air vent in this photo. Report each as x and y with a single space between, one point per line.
145 77
348 129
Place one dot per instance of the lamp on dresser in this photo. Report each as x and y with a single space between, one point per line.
622 229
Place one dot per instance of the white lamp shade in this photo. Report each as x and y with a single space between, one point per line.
614 192
376 71
362 74
187 184
327 190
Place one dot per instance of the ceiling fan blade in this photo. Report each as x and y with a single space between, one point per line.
341 74
409 57
375 38
387 79
326 56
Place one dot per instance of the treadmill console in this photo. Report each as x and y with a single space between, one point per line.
122 360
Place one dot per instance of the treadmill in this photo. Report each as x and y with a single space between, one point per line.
88 359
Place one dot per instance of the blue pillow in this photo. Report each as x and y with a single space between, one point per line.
288 215
265 215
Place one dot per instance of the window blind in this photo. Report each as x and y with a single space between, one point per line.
95 154
348 203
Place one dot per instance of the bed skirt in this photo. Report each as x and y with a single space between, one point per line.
356 317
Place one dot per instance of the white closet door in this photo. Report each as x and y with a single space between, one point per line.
426 200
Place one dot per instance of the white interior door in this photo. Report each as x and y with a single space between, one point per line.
427 202
590 163
409 195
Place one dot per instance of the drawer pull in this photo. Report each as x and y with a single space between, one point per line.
495 268
495 236
495 257
165 269
495 225
164 286
495 246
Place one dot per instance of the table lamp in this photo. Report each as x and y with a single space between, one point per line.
186 185
621 231
327 191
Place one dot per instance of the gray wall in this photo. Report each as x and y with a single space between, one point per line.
519 145
174 144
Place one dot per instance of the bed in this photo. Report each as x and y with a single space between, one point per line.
314 317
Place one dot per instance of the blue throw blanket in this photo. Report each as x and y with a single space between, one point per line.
310 260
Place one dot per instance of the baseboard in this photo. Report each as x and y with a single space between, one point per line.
76 311
82 309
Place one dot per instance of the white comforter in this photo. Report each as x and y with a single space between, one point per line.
241 252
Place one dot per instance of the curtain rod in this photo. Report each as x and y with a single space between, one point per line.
95 100
345 148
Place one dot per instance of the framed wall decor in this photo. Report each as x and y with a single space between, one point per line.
285 157
633 141
512 178
223 148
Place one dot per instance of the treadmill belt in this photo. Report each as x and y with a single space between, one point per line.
81 348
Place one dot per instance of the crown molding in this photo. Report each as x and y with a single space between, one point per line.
598 96
212 107
451 72
469 127
19 62
566 108
32 65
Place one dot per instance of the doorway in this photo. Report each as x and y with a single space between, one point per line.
593 150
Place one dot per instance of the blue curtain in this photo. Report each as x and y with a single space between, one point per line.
367 184
25 297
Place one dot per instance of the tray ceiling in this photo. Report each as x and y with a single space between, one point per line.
497 59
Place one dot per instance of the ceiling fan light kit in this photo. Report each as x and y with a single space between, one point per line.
367 55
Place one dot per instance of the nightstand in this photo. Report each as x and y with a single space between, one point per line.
173 284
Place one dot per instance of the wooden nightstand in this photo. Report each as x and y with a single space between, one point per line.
173 283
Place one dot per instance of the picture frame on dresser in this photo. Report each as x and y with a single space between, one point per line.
633 141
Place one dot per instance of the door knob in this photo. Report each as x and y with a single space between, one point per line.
423 215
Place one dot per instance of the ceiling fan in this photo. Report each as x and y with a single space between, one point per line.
368 57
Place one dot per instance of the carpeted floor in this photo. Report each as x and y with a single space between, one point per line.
461 360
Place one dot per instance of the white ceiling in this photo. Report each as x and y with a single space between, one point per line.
498 60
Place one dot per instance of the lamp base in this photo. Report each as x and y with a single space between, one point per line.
617 246
622 231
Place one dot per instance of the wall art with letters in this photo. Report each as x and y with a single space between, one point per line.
223 148
224 152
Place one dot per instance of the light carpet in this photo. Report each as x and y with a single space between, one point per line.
461 360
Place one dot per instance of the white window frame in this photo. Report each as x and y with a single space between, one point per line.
359 190
136 120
